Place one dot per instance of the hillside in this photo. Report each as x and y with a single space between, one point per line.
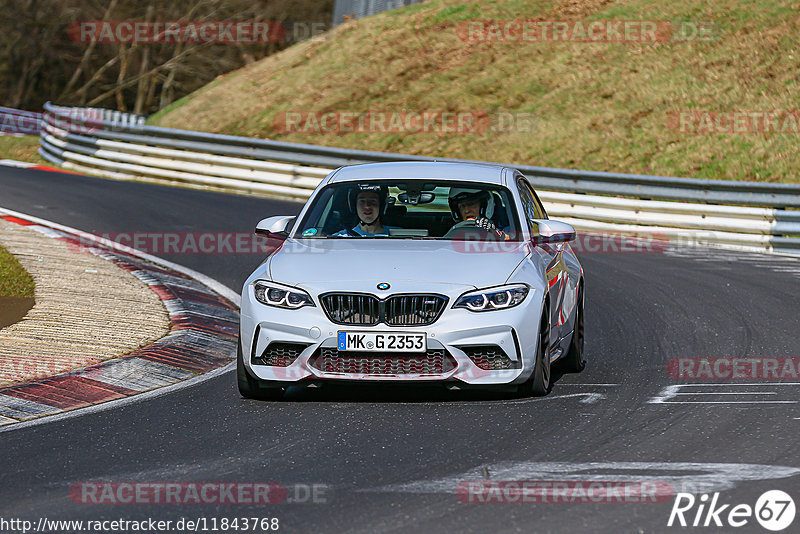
670 105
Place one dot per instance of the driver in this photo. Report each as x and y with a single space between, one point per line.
474 205
369 203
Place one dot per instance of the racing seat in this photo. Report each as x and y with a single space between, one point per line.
340 216
500 216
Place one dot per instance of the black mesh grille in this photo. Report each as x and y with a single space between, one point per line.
280 354
413 310
433 362
490 358
368 310
352 308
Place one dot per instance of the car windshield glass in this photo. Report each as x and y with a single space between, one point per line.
411 209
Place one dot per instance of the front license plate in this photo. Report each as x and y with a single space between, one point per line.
382 342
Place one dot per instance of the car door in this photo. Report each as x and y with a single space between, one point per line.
551 255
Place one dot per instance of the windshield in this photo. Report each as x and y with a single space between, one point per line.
411 209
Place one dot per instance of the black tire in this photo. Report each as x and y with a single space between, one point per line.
574 360
252 388
538 385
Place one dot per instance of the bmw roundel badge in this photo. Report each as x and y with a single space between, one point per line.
383 286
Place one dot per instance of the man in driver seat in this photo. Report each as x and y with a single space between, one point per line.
477 206
369 203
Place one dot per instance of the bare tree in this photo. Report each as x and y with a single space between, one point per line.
41 59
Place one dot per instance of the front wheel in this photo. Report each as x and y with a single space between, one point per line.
538 385
251 388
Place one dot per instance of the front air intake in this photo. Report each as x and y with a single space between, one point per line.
280 354
434 362
490 358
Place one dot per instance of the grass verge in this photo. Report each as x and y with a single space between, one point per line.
605 106
21 148
14 280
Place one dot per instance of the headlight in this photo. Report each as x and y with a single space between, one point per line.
495 298
280 296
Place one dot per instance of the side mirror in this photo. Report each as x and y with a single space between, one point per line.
553 232
275 227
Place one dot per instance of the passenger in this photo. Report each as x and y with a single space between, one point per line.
369 204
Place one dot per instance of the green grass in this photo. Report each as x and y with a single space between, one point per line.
600 106
23 148
458 13
14 280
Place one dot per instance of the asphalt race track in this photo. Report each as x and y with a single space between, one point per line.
391 459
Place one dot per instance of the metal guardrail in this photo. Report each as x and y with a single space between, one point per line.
363 8
740 214
89 144
590 182
16 121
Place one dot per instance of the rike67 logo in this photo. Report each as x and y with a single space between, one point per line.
774 510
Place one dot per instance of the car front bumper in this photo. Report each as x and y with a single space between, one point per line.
513 330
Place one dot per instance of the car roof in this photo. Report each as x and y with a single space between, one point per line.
439 170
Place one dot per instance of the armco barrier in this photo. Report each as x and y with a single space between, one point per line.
746 215
15 121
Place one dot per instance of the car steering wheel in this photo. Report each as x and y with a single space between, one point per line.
463 224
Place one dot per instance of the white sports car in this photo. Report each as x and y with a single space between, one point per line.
414 272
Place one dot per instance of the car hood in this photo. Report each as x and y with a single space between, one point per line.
323 263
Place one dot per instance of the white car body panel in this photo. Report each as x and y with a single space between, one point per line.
319 266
